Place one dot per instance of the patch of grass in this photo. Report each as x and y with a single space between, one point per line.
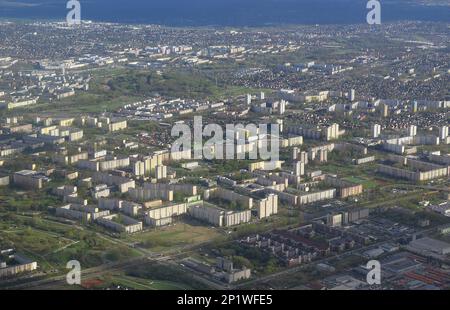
163 276
178 235
367 184
54 244
145 284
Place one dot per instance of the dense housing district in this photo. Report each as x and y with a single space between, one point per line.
88 171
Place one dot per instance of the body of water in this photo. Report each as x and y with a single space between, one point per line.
224 12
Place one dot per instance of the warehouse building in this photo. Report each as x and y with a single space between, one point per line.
429 246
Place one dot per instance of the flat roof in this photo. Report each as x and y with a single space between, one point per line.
431 245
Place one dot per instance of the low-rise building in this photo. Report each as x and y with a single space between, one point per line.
120 223
30 179
18 264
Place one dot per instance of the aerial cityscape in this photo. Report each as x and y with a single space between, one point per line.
182 153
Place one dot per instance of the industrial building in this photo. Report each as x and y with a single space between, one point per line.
428 246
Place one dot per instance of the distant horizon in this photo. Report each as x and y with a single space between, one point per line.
224 13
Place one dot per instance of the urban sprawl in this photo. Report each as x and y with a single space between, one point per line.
88 171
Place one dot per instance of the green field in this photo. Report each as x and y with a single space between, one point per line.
53 244
178 235
145 284
35 244
367 184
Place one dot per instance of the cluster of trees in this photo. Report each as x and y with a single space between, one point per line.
253 258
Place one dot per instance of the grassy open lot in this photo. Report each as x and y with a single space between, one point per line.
87 102
53 244
34 243
162 276
143 284
122 280
110 89
178 235
367 184
23 201
364 174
